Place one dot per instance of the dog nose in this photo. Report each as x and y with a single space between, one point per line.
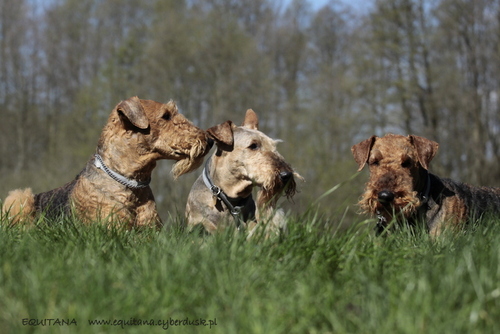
385 196
285 176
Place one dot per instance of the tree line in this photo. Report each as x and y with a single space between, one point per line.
321 79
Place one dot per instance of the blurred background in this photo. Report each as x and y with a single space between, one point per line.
321 75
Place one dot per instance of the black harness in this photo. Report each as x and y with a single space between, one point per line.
234 205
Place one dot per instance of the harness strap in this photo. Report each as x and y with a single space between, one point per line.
235 210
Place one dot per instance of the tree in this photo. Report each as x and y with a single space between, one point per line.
19 88
469 86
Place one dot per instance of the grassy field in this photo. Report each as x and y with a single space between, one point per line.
61 278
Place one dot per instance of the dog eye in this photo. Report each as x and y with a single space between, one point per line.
373 162
167 116
253 146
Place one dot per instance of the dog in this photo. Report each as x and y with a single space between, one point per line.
401 188
114 183
245 159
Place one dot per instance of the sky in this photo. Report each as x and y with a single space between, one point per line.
318 3
360 5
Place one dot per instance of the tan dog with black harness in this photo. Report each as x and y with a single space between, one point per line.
245 158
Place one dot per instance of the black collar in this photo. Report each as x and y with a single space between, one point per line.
234 204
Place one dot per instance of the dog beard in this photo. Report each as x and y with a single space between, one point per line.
270 192
193 160
406 205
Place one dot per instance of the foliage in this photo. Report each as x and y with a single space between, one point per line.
315 279
321 79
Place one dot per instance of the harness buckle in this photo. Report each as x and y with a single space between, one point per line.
215 190
236 210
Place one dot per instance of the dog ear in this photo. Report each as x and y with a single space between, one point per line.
361 151
223 136
133 110
426 149
251 120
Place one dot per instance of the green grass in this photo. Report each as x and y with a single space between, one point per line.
314 280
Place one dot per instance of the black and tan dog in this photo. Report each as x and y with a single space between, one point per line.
115 181
245 159
401 188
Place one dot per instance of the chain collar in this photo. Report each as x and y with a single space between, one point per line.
99 163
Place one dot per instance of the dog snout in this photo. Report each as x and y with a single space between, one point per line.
385 196
286 176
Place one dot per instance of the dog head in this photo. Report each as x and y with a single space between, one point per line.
251 159
140 132
398 172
